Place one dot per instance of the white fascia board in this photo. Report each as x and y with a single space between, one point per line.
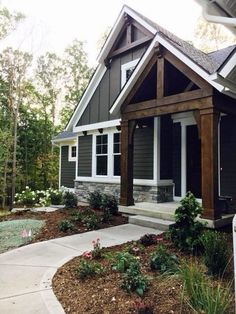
228 67
128 86
117 28
99 125
68 139
98 75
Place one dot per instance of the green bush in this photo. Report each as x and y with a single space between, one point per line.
90 220
27 197
216 251
148 239
186 231
56 197
201 295
88 269
109 203
70 199
163 261
95 200
106 216
133 280
122 261
65 225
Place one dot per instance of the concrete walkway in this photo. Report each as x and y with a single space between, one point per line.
26 273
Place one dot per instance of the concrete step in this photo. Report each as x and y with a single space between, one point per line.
164 213
150 222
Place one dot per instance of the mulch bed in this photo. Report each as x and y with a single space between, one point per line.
103 295
51 230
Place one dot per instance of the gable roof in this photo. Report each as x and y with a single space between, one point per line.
206 65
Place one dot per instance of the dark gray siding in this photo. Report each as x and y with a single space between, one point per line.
108 90
67 169
143 153
228 156
177 158
166 148
85 156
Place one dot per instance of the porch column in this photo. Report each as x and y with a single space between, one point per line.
209 119
126 183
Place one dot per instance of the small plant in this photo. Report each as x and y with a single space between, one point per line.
107 216
133 280
97 250
148 239
215 251
186 232
70 199
65 225
56 197
88 269
95 200
122 261
201 295
26 197
141 308
90 221
135 248
163 261
109 203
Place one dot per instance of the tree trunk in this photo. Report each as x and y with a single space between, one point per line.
13 189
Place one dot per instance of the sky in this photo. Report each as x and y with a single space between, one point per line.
51 25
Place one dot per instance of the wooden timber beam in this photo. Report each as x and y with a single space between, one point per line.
160 78
152 109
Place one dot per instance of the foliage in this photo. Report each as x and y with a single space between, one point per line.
70 199
97 250
148 239
88 269
90 221
135 248
65 225
27 197
95 200
163 261
133 280
109 203
122 261
185 233
56 197
201 295
216 251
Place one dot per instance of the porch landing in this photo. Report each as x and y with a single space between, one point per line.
165 212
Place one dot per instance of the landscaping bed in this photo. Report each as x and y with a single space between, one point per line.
103 294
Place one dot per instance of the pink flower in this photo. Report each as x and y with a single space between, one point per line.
87 254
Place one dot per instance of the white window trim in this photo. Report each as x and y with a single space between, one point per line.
95 155
125 67
70 158
115 154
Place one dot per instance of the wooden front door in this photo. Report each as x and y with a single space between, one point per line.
193 167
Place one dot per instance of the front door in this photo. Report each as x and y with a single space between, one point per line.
193 159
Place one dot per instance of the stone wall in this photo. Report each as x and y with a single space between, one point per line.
142 193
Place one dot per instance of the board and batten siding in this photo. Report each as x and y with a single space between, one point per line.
166 147
85 156
67 168
108 90
228 156
143 153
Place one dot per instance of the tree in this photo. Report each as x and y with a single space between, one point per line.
211 36
13 69
8 21
76 77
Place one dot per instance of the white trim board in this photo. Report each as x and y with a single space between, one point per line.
96 126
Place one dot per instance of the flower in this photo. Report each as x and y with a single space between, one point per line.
87 254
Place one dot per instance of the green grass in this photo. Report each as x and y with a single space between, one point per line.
10 232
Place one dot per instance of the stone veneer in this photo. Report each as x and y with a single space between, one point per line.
142 193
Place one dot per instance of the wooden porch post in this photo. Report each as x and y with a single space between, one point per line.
126 183
209 119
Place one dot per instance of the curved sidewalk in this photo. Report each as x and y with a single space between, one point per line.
26 273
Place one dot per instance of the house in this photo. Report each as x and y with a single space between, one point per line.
156 120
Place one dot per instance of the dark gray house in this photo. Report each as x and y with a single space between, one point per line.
156 120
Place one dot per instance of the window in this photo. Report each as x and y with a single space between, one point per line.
126 71
101 154
116 154
72 153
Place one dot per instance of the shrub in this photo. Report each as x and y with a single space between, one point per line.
109 203
186 232
65 225
133 280
97 250
70 199
90 221
135 248
26 197
215 251
56 197
201 295
122 261
107 216
148 239
163 261
95 200
88 269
